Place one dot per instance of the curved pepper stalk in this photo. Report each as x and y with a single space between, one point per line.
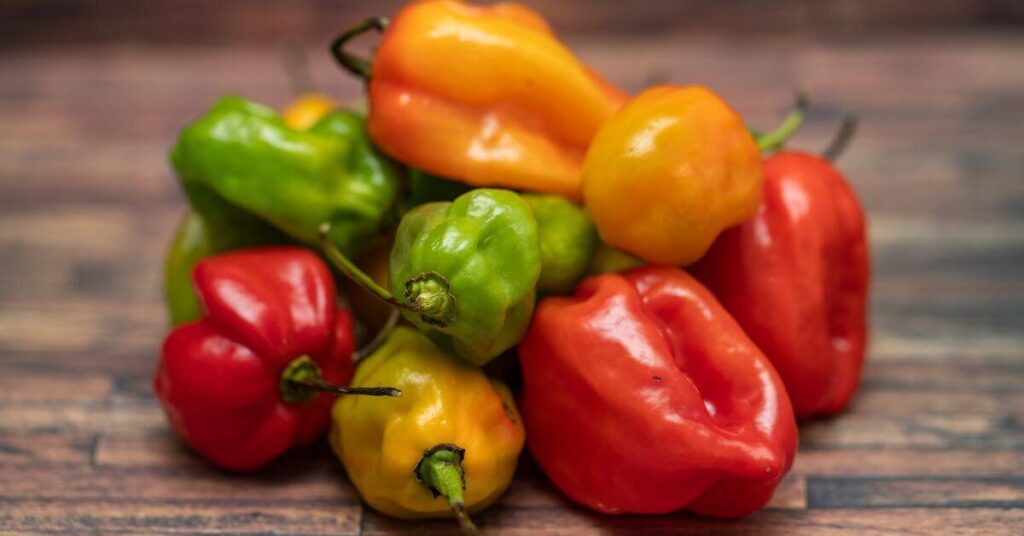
440 470
428 294
302 380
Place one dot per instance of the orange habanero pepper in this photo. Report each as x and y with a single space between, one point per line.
485 95
668 172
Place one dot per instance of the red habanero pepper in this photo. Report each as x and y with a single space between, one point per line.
642 395
248 380
795 276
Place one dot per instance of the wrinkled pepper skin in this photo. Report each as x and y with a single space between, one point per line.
485 95
668 172
795 276
642 395
567 241
244 153
196 239
444 402
222 380
473 266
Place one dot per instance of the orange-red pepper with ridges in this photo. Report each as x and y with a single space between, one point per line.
487 96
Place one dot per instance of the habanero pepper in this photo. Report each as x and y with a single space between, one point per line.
642 395
486 95
244 154
567 241
668 172
307 110
198 237
795 276
455 433
463 272
310 105
251 378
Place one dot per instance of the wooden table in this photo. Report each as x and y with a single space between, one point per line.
934 443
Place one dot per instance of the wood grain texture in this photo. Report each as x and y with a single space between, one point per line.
934 443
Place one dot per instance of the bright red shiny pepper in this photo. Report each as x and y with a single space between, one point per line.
224 381
642 395
795 276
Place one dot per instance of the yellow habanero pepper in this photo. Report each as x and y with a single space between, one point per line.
305 111
484 95
454 433
667 173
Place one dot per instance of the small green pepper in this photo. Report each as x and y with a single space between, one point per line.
567 241
295 180
464 272
608 259
198 238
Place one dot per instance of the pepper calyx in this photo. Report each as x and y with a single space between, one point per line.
440 471
429 295
294 380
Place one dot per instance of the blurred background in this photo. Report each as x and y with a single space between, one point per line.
92 94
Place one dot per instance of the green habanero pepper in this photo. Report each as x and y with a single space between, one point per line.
198 238
295 180
464 272
567 241
608 259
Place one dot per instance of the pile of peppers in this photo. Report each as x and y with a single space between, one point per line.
506 250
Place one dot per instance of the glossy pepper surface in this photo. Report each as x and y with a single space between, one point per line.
464 272
795 276
228 382
486 96
454 431
668 172
243 154
567 241
198 238
642 395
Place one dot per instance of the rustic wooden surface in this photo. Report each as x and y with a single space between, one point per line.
934 443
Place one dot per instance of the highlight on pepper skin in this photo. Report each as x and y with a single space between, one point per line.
471 247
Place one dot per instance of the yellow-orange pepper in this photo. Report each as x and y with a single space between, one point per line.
484 95
449 443
668 172
305 111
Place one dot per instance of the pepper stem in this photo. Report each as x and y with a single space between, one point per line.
842 139
302 380
440 470
428 294
776 139
379 338
356 65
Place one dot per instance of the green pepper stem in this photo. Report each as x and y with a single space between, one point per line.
302 380
379 338
776 139
356 65
440 470
428 293
352 271
842 139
